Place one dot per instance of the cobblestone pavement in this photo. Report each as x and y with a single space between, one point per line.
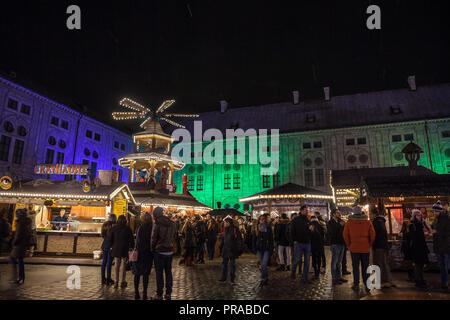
198 282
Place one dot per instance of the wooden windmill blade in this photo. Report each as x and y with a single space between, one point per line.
126 102
176 124
126 115
166 104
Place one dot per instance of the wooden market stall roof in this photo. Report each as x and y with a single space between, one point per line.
155 198
50 189
406 186
351 178
288 190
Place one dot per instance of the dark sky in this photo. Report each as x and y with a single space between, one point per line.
247 52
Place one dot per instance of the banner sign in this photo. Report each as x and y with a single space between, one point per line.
64 169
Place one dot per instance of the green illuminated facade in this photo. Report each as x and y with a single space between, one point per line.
308 155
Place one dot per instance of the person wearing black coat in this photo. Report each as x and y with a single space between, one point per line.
380 248
200 237
213 230
281 237
419 248
317 244
143 265
301 235
264 246
106 250
20 244
441 241
121 242
230 248
5 232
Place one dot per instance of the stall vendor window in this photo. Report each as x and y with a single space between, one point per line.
18 151
199 183
5 143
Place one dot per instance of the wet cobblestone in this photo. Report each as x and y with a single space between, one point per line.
199 282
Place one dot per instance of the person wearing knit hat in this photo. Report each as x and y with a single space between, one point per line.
441 242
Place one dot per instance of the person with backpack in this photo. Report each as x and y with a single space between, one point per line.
282 240
231 248
143 266
106 250
264 246
20 244
122 241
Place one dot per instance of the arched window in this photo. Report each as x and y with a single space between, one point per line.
8 126
22 131
51 140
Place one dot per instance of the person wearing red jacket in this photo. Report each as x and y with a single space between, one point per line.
359 236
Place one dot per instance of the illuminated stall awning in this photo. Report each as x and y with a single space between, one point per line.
288 191
178 201
64 192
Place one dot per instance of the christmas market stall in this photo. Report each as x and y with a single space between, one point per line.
68 215
288 199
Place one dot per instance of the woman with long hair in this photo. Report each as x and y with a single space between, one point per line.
121 242
264 245
143 265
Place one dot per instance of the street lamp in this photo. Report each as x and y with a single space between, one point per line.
412 154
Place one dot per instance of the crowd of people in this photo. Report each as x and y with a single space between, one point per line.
292 243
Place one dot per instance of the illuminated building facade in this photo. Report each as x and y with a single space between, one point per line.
365 130
37 130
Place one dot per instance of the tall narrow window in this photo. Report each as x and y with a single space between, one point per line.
93 172
89 134
18 151
54 121
227 181
25 109
191 183
5 143
65 124
84 162
266 181
236 181
308 177
276 180
60 157
320 181
199 183
49 156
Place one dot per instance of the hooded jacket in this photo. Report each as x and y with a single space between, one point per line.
359 233
441 239
163 233
381 236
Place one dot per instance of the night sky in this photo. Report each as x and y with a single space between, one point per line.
201 51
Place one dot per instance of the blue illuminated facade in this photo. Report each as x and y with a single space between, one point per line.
35 129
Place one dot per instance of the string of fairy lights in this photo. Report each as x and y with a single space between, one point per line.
141 112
